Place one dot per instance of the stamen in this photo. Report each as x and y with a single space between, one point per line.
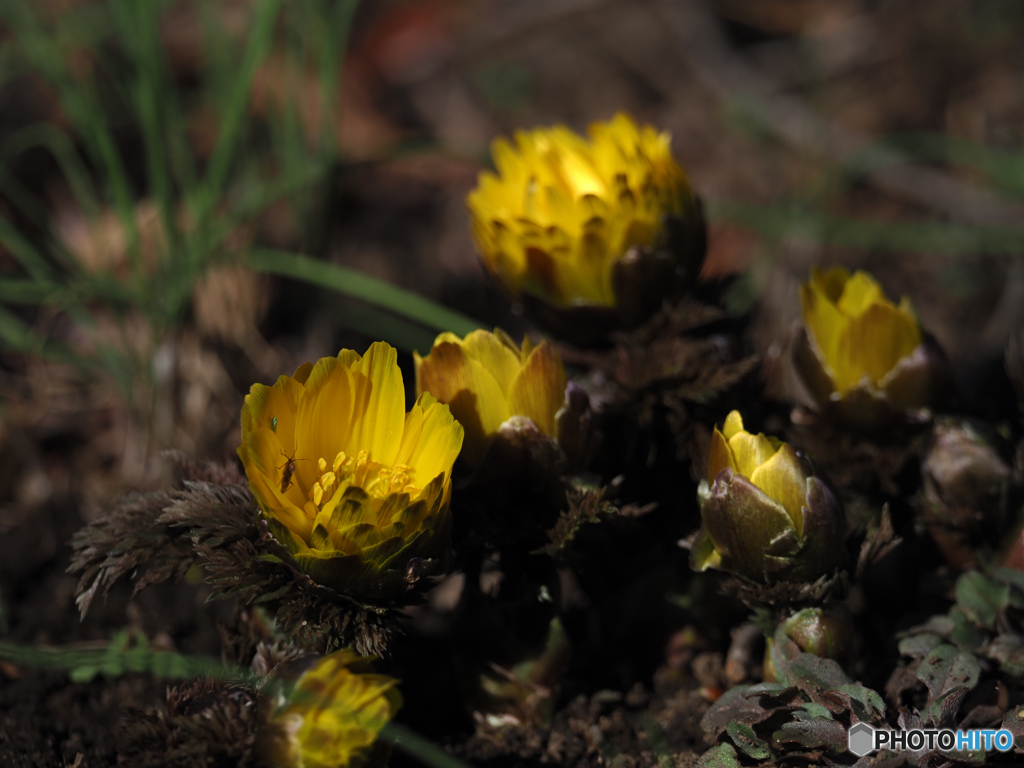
327 480
322 464
318 493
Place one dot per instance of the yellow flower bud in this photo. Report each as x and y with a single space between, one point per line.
764 515
489 381
577 223
862 357
348 527
332 717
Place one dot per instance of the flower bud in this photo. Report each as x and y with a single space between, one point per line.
332 717
591 235
765 516
964 490
823 632
863 359
517 396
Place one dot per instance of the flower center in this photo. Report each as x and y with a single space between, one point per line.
363 472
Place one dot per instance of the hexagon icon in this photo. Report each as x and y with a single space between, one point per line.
861 739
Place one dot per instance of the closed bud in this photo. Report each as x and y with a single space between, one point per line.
823 632
965 480
765 516
863 359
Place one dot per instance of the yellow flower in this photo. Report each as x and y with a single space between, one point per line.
351 483
858 332
487 379
764 515
332 717
562 210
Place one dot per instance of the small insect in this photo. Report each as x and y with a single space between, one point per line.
273 423
289 470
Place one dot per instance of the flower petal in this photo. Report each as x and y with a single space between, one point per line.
873 343
379 402
720 455
431 441
471 392
750 451
782 477
490 351
538 391
824 322
325 417
859 293
733 425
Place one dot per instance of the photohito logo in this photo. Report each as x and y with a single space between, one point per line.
863 739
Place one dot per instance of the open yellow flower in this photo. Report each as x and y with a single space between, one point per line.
861 356
563 212
487 379
351 483
332 717
764 515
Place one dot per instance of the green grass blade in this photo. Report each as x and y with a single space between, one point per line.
24 291
17 336
137 24
363 287
116 659
257 47
332 52
59 145
27 255
423 750
80 104
785 221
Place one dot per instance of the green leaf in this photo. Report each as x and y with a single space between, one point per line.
83 674
946 668
722 756
811 710
981 598
743 736
819 732
919 645
868 704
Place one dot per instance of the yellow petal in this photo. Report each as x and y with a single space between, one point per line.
830 283
538 391
720 455
750 451
379 396
301 374
782 478
733 425
494 354
873 343
824 322
325 416
431 441
470 391
259 453
859 293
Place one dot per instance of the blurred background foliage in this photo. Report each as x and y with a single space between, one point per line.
199 194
